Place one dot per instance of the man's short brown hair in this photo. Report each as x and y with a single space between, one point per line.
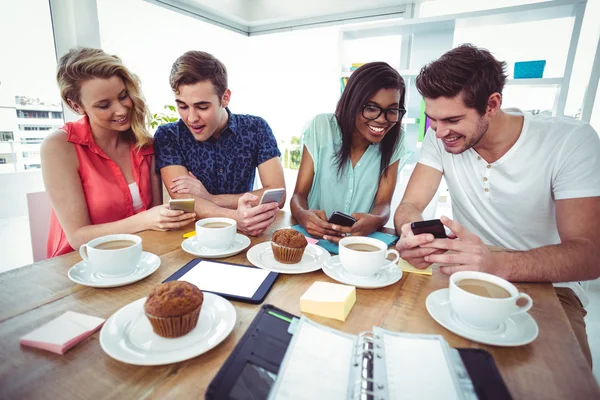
198 66
466 70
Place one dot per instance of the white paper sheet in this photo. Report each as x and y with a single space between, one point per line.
417 369
225 278
318 367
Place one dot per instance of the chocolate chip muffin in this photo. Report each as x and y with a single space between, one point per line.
288 246
173 308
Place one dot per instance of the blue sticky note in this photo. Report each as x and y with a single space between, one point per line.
333 248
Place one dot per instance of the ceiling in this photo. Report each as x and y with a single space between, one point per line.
253 17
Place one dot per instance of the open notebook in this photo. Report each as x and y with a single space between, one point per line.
327 364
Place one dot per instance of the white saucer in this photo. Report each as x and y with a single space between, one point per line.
82 273
127 335
313 258
518 330
192 246
386 276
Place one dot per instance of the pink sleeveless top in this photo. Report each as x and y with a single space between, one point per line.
106 192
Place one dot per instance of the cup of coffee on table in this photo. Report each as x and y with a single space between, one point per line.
216 233
484 301
113 255
364 256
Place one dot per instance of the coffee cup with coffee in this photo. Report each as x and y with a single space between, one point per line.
484 301
216 233
364 256
113 255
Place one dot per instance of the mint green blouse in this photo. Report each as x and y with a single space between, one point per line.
355 188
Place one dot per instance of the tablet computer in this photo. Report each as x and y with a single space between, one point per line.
233 281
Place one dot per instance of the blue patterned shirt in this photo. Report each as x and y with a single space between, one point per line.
226 165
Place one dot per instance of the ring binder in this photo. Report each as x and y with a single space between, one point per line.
364 388
377 365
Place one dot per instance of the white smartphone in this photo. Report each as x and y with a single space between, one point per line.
272 196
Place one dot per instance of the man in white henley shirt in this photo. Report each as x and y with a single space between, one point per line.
525 188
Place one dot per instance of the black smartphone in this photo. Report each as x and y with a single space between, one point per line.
339 218
433 226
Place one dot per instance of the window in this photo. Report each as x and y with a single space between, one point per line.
5 136
6 158
33 166
34 128
29 86
31 154
57 115
32 114
33 139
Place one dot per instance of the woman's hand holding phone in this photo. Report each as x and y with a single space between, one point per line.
162 218
315 223
365 224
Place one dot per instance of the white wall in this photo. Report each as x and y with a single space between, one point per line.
265 11
15 186
238 9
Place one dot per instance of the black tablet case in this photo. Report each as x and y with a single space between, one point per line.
252 367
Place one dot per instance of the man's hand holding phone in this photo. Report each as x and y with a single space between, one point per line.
410 242
254 220
467 253
272 196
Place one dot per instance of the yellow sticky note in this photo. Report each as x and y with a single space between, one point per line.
330 300
189 234
406 267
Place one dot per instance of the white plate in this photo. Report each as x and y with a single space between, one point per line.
82 273
518 330
192 246
313 258
128 337
386 276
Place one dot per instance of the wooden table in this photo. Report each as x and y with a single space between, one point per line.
552 366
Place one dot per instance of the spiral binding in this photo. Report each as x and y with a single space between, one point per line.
365 352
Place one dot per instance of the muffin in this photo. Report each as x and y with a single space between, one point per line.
173 308
288 246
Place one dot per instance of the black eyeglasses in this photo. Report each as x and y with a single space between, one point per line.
371 112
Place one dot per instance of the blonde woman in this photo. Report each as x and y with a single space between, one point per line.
99 170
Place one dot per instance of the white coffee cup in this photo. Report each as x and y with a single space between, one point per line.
364 263
112 261
482 312
216 238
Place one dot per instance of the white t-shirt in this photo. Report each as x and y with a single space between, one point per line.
511 202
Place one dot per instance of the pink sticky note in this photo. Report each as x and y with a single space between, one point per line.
311 240
62 333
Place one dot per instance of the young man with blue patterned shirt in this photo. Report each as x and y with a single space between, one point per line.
212 154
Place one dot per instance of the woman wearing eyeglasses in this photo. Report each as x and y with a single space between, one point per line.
350 158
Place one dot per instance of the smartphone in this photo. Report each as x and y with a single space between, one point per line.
186 205
433 226
339 218
272 196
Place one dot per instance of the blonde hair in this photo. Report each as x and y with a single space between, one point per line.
82 64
